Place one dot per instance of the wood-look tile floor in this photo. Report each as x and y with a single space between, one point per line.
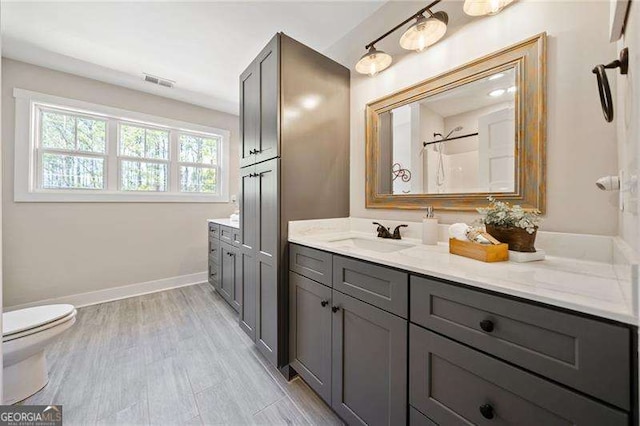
169 358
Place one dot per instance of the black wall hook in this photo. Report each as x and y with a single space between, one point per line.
603 82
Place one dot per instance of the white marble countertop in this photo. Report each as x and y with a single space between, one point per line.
225 222
597 287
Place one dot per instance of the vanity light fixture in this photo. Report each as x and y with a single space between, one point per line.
496 93
485 7
425 31
373 62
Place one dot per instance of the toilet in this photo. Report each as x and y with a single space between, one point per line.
25 335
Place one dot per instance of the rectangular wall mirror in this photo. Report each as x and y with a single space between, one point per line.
451 141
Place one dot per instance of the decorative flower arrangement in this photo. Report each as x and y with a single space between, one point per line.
499 213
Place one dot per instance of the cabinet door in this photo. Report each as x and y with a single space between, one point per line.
246 280
249 114
228 273
237 283
246 274
213 274
267 66
267 245
369 363
248 208
310 333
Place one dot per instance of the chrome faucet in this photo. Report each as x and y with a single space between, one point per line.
383 231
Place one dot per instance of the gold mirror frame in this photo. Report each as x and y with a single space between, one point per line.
529 60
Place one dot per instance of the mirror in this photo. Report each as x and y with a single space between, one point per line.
453 140
458 141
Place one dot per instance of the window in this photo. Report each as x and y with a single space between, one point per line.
68 150
198 162
143 158
72 153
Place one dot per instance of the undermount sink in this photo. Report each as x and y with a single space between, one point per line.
380 246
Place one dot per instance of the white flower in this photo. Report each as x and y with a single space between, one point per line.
499 213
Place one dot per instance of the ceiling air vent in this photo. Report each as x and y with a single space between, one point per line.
158 80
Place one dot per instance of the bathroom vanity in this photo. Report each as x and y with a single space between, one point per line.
394 332
224 246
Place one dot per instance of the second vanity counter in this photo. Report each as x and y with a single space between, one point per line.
225 222
599 288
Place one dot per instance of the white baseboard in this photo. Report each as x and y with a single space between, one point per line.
117 293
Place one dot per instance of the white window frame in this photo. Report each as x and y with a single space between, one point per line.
26 155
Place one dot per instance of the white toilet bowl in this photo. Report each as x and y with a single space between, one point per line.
25 335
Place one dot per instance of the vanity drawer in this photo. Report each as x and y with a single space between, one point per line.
588 355
214 230
229 235
214 250
457 385
382 287
310 263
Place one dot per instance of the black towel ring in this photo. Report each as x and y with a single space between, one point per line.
603 82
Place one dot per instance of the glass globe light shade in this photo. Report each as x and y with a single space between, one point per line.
373 62
425 32
485 7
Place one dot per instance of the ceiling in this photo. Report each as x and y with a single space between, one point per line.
202 46
473 96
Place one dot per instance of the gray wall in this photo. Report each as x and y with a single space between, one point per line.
60 249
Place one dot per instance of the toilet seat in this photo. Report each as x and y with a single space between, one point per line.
44 327
28 321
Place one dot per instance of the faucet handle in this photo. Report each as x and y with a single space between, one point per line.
383 231
396 231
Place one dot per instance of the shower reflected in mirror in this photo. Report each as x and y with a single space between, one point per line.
457 141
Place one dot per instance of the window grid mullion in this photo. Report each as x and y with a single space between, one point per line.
203 165
72 153
75 133
174 157
113 167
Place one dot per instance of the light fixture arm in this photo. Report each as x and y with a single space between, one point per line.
414 16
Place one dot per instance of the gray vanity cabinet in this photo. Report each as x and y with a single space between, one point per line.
310 330
267 257
247 286
569 348
259 91
248 203
249 114
228 265
224 263
259 202
463 356
369 382
213 254
352 353
456 385
294 166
